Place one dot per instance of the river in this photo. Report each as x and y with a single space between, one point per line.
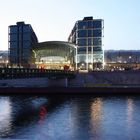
72 118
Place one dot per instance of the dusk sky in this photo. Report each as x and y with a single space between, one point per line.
54 19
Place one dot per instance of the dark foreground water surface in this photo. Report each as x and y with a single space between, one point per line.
74 118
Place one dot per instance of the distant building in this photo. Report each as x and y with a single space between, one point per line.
122 56
21 39
87 36
122 59
4 59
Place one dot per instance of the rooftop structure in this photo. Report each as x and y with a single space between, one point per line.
4 58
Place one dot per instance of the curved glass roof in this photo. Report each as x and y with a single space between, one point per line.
54 45
54 48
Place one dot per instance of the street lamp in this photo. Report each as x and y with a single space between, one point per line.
6 63
130 58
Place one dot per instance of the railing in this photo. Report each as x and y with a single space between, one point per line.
13 73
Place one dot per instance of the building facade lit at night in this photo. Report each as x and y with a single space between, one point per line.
83 50
54 55
87 35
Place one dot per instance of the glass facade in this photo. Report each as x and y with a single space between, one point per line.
55 55
87 35
21 40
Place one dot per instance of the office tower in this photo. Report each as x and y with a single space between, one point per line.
21 39
87 36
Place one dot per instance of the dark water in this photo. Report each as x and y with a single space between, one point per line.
77 118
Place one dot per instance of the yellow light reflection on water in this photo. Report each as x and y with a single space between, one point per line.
130 108
96 109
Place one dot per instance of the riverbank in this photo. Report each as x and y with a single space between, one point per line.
52 91
89 80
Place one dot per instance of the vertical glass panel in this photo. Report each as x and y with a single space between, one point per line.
13 37
20 37
81 50
20 29
97 49
97 41
13 44
82 25
89 49
13 52
26 44
89 41
82 42
89 33
90 24
82 33
97 24
90 58
81 58
97 33
26 53
26 29
13 29
26 36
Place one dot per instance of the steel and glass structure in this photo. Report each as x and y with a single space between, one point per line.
87 36
54 55
20 41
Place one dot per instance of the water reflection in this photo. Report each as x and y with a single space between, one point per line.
36 118
130 106
42 114
19 114
130 119
5 116
96 116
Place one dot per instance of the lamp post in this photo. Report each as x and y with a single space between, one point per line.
130 57
7 63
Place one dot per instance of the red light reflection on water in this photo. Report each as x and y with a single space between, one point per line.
42 114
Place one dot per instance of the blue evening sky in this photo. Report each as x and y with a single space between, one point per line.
54 19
